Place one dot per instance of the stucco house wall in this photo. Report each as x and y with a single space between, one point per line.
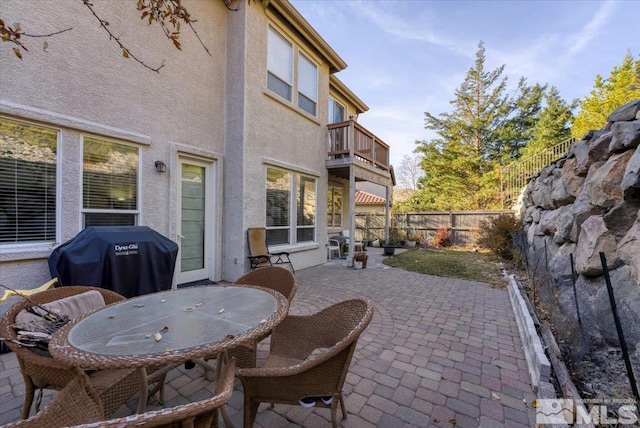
82 85
215 109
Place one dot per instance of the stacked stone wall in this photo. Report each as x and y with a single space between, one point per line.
588 202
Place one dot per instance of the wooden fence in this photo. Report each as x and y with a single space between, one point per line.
464 225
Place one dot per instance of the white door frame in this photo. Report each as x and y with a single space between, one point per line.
208 269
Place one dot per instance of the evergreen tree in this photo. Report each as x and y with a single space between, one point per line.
553 126
622 86
486 125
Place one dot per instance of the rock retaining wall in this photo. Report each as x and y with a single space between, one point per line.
585 203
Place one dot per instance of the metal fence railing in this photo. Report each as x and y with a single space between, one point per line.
516 175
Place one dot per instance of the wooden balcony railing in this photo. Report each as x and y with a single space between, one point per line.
349 139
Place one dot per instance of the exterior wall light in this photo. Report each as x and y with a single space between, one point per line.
161 167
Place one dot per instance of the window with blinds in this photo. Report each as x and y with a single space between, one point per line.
109 183
306 205
307 85
285 226
287 77
278 203
279 64
28 168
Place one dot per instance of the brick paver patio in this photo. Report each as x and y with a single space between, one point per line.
439 352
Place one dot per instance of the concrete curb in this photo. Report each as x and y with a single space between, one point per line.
537 361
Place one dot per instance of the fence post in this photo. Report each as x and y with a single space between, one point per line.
574 278
616 319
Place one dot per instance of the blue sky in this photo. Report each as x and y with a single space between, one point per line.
406 57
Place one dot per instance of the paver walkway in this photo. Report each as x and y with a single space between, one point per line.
439 352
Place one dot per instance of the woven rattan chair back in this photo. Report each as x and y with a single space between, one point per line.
199 414
276 278
41 371
77 403
273 277
309 357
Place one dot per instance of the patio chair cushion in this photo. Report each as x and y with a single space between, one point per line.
72 306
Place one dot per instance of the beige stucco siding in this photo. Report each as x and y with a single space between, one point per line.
83 85
213 109
280 134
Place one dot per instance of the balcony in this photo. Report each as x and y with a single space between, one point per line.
350 144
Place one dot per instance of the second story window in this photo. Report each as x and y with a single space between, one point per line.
279 65
109 183
291 74
307 85
336 111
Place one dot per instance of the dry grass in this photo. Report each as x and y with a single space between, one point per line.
452 263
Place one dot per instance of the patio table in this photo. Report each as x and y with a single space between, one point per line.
168 327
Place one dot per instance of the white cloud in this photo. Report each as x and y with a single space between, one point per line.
592 28
393 24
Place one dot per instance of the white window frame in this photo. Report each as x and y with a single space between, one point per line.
296 94
136 211
292 227
29 246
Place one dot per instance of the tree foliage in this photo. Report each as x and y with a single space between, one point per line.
553 125
485 127
622 86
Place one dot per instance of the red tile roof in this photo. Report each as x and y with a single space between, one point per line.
365 198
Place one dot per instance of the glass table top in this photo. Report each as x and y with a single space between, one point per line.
172 321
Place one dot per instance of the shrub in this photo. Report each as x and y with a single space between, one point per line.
443 237
498 233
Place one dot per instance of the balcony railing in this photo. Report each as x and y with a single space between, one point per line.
349 139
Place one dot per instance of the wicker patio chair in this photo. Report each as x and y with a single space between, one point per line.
199 414
309 357
78 404
40 371
275 278
259 255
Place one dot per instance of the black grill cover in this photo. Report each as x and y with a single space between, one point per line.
130 260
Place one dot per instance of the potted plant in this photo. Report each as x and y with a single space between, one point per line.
360 260
413 238
389 249
391 243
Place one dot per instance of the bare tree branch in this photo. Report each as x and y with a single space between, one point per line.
169 14
13 35
409 172
55 33
125 51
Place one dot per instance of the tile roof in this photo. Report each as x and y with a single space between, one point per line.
365 198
